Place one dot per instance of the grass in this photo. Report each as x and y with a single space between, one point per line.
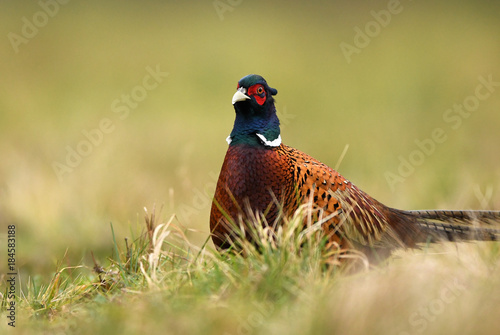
169 149
284 284
162 261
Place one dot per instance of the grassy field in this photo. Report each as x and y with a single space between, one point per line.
109 108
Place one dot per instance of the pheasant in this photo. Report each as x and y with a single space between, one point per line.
262 175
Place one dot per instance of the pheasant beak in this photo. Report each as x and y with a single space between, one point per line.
240 95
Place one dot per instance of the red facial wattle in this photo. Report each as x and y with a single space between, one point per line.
258 92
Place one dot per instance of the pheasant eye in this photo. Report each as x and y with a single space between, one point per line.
260 90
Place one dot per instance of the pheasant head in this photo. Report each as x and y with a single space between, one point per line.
256 121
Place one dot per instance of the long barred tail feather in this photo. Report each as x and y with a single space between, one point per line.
459 224
464 217
452 232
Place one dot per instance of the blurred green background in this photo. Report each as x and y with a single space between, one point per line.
66 78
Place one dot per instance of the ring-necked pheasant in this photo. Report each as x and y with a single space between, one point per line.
263 175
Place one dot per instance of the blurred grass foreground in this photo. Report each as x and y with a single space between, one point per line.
107 108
